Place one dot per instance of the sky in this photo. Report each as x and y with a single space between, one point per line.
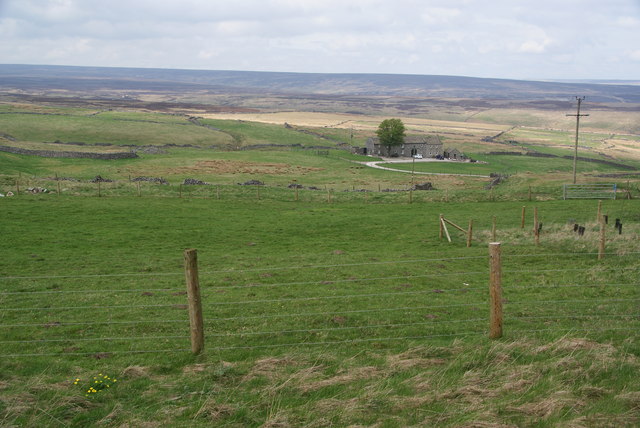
512 39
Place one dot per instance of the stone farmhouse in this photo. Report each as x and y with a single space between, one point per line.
429 146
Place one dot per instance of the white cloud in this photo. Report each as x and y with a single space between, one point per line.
502 38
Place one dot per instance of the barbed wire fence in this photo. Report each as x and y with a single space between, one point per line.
326 305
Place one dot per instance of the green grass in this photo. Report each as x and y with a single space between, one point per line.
251 133
349 313
105 128
504 164
279 279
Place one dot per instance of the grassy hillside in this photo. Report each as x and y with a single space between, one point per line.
316 315
341 308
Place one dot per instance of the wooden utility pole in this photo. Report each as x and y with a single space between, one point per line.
575 153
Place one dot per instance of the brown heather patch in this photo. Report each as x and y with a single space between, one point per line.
214 411
603 421
349 407
134 372
18 404
242 167
631 398
269 368
115 413
135 423
201 368
277 421
353 375
483 424
412 359
602 352
549 405
420 383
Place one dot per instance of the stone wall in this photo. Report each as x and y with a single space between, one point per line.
60 154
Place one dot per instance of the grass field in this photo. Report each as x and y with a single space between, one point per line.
343 308
308 321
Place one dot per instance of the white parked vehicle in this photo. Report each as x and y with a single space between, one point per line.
418 156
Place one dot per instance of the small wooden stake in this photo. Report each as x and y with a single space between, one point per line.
599 211
522 218
536 230
493 229
446 195
446 231
196 321
17 186
58 187
470 233
138 185
602 239
495 291
99 189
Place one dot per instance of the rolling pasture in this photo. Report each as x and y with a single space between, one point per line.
315 313
339 308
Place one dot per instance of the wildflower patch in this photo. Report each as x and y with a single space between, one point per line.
95 384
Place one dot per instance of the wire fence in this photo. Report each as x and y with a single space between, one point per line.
318 305
256 191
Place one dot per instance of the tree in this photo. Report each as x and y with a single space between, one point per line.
391 133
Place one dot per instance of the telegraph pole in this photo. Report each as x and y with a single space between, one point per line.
575 153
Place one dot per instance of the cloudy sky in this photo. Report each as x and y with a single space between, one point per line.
521 39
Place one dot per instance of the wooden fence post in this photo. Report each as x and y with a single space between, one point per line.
602 239
495 291
493 229
138 185
218 192
58 184
536 227
470 233
522 218
441 227
99 189
599 211
196 321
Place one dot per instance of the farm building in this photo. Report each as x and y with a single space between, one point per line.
429 146
454 154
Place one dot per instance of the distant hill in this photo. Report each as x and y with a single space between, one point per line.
35 77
